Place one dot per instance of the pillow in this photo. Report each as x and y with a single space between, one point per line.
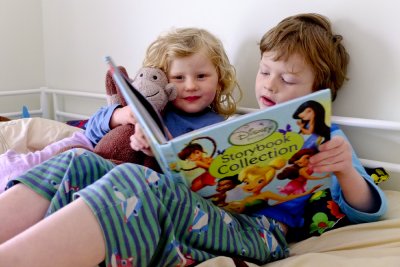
32 134
322 214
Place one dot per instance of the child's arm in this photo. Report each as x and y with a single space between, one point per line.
122 116
105 119
336 156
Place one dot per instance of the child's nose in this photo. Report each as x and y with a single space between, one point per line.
190 84
271 85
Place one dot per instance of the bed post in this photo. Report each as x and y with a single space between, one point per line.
44 105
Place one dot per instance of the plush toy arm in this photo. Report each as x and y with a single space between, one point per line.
171 91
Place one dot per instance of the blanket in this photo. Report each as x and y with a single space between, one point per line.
370 244
32 134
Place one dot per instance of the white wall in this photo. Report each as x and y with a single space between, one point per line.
21 48
21 45
78 34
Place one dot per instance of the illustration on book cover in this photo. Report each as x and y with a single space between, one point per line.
261 163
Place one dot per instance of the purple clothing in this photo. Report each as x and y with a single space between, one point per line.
13 164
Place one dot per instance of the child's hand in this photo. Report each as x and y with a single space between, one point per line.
334 156
139 141
122 116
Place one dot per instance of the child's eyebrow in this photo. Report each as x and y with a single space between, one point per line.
263 64
294 70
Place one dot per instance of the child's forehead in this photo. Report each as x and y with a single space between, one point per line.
292 63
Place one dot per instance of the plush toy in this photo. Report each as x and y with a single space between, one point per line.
115 145
4 118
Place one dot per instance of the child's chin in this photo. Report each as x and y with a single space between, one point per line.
262 106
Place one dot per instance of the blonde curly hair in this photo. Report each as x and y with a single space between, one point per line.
183 42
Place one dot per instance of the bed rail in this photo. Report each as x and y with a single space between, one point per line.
26 92
53 110
50 107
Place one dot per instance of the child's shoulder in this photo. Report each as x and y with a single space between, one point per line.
335 127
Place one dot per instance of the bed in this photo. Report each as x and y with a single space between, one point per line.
372 244
53 115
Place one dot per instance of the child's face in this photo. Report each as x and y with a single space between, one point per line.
280 81
196 80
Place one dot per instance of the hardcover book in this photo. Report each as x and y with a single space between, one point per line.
253 163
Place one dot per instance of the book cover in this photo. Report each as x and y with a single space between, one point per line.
253 163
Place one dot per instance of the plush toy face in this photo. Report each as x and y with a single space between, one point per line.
153 84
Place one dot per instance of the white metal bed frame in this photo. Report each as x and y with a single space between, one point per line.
59 114
45 94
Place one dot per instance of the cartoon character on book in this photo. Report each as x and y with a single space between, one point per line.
223 186
298 172
195 153
310 118
255 178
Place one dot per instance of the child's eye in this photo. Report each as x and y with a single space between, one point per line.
288 81
178 77
201 76
265 73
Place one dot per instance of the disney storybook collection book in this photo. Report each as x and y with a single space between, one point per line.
255 162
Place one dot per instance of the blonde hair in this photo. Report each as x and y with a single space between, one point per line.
253 172
183 42
310 35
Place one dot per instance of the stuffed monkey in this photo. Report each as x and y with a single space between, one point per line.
115 145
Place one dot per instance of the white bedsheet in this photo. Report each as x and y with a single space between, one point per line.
28 135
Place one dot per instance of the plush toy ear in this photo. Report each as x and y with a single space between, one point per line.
171 91
114 96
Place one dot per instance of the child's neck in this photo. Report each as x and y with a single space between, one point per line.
170 106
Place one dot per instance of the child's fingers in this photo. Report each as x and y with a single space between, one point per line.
139 141
135 145
334 156
333 164
326 156
336 141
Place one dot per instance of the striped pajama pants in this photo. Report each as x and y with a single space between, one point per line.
150 220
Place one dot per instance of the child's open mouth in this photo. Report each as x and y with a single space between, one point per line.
267 101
